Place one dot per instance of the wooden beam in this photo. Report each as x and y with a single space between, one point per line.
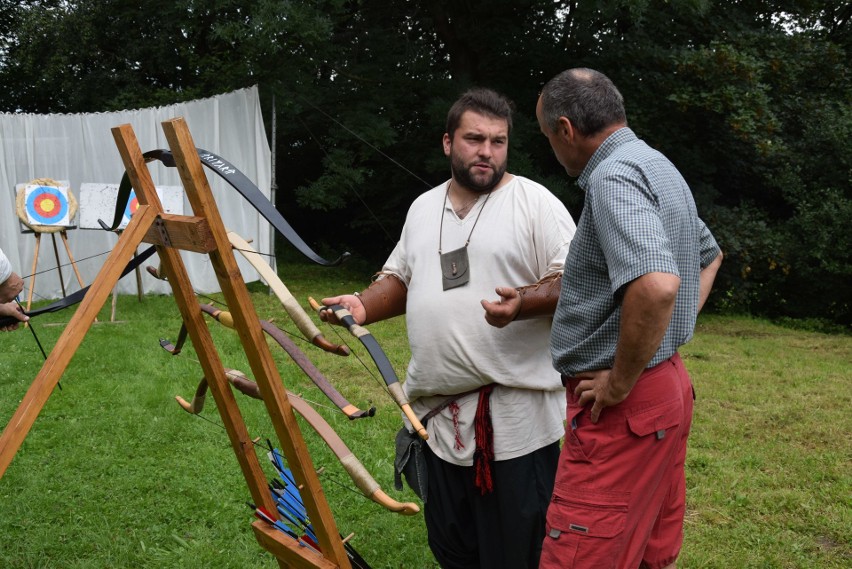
187 233
247 325
286 548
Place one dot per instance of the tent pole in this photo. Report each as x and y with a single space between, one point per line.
273 189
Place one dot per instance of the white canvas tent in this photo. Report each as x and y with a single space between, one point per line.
80 149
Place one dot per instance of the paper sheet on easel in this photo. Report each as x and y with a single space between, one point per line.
97 201
47 205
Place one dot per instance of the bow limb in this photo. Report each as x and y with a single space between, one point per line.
249 191
363 480
300 359
175 349
381 360
77 297
197 404
235 377
356 470
293 308
239 182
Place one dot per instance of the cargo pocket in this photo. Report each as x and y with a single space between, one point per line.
587 526
580 450
656 420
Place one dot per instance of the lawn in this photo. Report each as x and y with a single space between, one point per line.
115 474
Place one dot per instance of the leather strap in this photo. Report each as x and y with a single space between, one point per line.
539 300
384 298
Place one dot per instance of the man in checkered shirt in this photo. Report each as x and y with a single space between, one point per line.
638 271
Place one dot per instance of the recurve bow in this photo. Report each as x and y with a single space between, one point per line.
237 180
380 358
77 296
293 308
356 470
224 318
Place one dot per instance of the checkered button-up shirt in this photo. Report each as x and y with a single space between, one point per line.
639 217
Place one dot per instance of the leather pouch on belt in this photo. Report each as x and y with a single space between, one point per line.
411 463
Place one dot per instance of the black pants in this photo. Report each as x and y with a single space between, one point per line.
502 529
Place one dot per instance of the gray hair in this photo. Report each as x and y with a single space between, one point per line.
585 97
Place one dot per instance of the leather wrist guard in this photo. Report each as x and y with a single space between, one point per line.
539 299
383 299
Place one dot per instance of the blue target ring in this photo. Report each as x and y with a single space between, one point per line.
47 205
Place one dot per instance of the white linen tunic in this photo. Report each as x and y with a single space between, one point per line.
522 234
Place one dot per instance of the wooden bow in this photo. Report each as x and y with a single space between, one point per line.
294 309
359 474
381 360
224 318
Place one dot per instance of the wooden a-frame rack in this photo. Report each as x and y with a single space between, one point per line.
201 233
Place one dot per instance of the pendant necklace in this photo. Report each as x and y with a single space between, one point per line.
455 265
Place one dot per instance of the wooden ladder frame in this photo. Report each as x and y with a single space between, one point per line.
203 232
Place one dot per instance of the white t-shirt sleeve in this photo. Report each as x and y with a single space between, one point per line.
5 267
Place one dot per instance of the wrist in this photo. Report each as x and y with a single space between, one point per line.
539 300
621 383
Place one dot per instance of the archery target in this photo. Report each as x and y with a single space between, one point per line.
47 205
130 209
98 201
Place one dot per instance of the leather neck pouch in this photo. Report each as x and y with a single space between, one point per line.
455 268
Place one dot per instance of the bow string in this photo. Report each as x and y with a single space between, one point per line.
77 297
363 480
299 357
381 360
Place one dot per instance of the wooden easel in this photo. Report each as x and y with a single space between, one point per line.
38 230
202 233
63 233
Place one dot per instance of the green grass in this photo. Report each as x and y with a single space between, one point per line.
768 470
114 474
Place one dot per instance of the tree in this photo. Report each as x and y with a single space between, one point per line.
749 98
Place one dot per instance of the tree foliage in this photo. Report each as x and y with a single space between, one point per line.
749 98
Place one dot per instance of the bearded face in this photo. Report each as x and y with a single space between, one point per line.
478 151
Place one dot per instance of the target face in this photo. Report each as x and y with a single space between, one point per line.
47 205
132 206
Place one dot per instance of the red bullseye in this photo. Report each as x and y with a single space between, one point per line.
47 205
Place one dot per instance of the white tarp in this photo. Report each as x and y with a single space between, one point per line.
80 149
